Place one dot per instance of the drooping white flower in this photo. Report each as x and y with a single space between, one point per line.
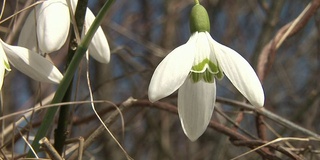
193 67
29 63
47 26
99 46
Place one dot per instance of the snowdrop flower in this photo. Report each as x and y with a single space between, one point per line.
193 67
47 26
28 62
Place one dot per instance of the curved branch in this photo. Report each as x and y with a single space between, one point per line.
270 115
267 54
235 137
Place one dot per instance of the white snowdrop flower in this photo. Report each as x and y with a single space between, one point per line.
192 68
47 26
28 62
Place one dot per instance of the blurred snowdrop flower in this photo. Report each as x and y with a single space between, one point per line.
4 65
47 26
28 62
193 67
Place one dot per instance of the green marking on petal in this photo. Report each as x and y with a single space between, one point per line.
213 67
200 67
219 75
196 77
206 70
205 64
208 77
7 66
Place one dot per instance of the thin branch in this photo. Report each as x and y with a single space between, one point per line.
270 115
50 150
234 136
267 55
101 128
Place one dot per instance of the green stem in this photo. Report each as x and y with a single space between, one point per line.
196 2
65 82
60 134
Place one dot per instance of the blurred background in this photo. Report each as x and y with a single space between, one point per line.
140 34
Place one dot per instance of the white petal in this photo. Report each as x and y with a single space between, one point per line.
171 72
240 73
52 25
195 106
27 37
2 66
4 60
99 47
2 71
203 48
32 64
74 5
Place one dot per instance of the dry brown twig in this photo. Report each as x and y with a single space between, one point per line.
101 128
47 146
235 137
267 55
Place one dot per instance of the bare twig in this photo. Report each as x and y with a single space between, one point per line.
79 140
46 145
18 25
272 142
270 115
235 124
234 136
267 55
101 128
261 128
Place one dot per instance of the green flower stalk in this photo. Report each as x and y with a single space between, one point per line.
81 50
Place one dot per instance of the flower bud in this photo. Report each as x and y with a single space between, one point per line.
199 19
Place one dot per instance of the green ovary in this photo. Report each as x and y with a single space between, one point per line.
205 70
